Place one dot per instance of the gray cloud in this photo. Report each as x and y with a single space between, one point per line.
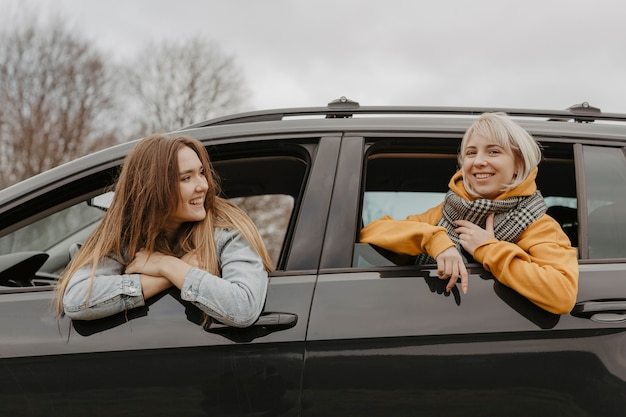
544 54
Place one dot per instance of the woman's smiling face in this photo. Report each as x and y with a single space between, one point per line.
193 186
487 167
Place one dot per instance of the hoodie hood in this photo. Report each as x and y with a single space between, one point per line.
526 188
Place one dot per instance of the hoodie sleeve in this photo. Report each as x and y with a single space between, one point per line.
542 265
415 235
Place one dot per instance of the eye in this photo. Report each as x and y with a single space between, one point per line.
496 150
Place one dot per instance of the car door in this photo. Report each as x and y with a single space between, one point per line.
385 339
159 360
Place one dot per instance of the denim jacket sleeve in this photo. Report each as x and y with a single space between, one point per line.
237 297
111 291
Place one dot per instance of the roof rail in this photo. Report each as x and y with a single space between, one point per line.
345 108
581 113
342 103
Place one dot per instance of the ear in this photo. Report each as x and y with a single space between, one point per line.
519 167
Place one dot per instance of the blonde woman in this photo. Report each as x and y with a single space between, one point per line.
495 213
167 226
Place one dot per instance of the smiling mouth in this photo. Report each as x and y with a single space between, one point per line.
197 202
483 176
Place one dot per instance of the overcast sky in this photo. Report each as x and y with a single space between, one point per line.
547 54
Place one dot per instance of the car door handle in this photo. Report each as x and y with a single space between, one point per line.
603 311
268 322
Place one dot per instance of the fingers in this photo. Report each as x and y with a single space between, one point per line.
455 277
464 275
447 263
450 265
459 272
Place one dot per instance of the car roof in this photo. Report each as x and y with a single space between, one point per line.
344 115
578 121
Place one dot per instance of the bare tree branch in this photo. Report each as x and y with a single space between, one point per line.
177 84
55 94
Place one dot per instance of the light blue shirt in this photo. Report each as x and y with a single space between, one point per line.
236 298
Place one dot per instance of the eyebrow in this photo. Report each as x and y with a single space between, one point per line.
491 145
188 171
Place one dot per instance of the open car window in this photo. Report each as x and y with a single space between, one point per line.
403 183
267 187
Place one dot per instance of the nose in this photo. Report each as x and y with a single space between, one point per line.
480 159
202 184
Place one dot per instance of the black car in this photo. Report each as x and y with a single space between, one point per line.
347 330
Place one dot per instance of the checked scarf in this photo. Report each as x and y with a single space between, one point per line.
512 216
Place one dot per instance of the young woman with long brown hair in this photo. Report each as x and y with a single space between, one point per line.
168 226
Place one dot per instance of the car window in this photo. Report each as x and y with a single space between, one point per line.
397 204
266 187
270 213
605 180
46 233
400 184
57 235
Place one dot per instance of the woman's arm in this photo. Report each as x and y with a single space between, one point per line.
415 235
110 292
236 298
152 285
542 266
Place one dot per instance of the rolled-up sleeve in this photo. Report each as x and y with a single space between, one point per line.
109 293
237 297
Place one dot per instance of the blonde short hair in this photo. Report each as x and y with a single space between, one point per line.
507 134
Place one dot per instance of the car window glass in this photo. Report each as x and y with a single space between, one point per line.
397 204
270 213
45 233
605 179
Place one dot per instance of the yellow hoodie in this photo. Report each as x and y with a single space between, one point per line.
541 265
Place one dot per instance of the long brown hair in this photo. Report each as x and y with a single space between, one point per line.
146 194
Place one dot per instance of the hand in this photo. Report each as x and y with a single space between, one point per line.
450 265
158 264
147 263
472 236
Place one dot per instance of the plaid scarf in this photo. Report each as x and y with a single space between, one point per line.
512 216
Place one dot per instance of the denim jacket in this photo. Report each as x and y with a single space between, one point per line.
236 298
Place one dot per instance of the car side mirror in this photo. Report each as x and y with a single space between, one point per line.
102 201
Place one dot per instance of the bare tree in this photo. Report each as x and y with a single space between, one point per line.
271 214
54 96
176 84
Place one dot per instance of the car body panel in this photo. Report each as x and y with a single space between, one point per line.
116 363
